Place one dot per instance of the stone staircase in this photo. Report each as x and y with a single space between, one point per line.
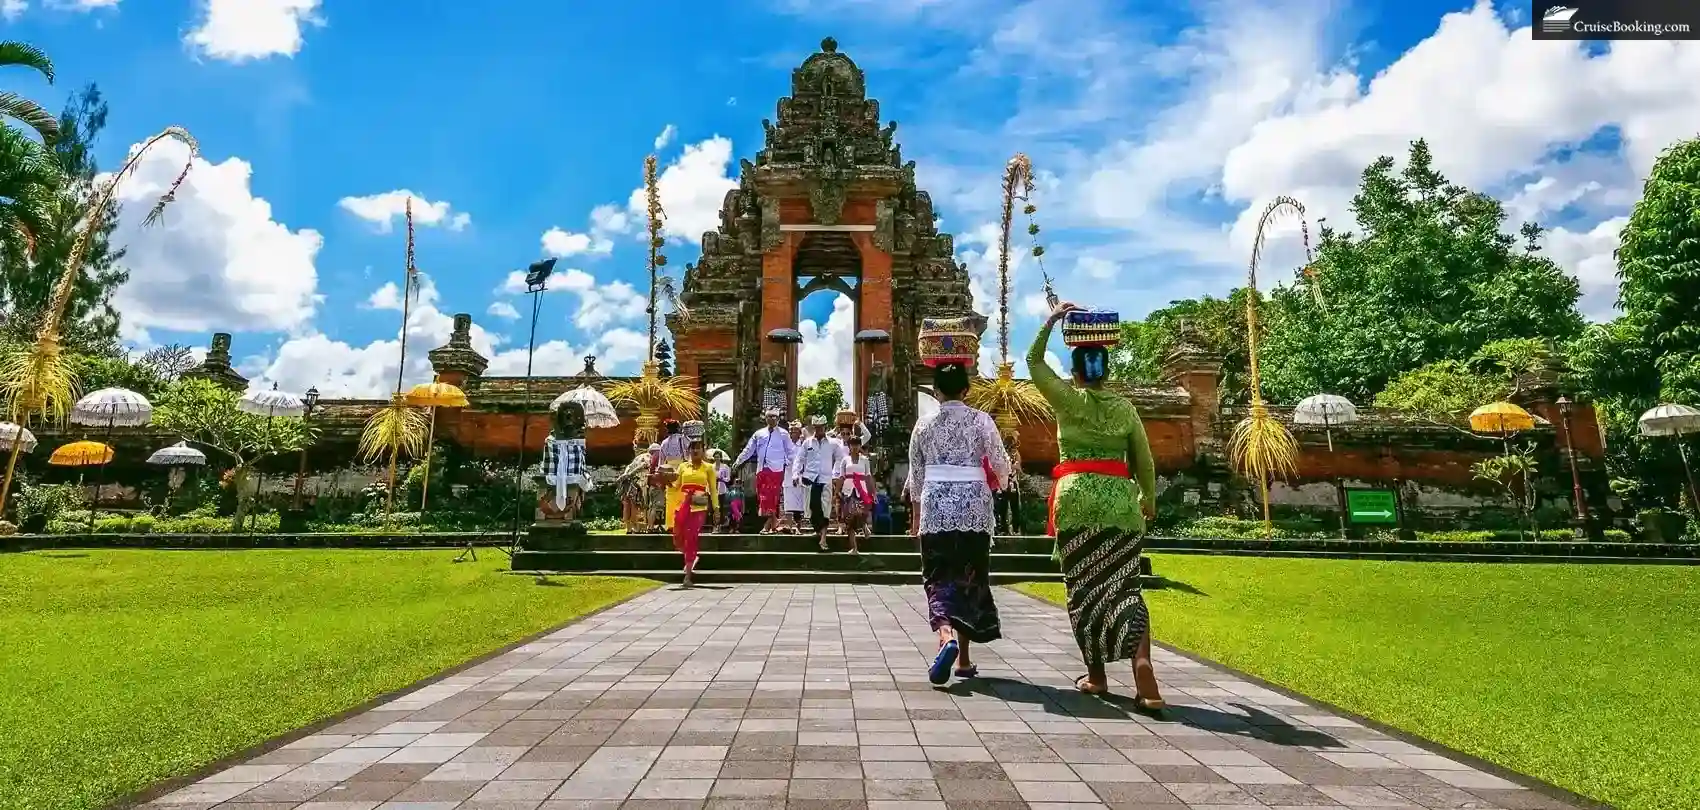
884 559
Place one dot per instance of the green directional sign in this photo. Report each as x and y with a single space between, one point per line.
1372 506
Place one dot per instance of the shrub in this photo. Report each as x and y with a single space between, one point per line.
40 505
604 524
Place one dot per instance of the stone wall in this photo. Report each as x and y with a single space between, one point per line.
1186 426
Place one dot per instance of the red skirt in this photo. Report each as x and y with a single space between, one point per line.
769 484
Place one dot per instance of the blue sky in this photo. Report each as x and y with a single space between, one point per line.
1159 131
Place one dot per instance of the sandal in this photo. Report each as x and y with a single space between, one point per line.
968 672
940 671
1084 685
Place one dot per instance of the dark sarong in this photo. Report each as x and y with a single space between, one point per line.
954 571
1105 602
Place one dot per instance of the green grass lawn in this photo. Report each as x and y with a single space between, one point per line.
1584 676
120 668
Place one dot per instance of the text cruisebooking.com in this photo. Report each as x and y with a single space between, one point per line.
1614 27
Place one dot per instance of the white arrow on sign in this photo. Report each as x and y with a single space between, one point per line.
1382 513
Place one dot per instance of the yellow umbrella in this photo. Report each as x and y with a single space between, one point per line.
1500 418
81 454
433 395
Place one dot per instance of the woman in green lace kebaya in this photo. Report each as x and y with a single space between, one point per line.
1098 513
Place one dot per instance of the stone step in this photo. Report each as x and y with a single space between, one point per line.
712 577
808 561
544 538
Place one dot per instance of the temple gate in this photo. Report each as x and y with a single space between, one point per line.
828 203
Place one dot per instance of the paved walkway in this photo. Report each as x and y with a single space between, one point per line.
814 696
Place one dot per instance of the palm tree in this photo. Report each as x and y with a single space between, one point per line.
15 106
29 184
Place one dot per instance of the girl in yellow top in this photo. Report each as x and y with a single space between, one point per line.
695 489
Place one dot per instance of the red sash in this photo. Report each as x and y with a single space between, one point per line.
859 481
1092 466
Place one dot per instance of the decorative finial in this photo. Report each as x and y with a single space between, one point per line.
829 45
1051 299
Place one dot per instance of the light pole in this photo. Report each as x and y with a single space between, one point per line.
310 399
536 281
1575 476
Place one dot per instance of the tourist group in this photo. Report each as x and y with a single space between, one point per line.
1104 492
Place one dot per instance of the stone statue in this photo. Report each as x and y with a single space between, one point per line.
773 386
564 479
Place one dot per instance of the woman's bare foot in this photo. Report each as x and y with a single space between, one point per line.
1148 693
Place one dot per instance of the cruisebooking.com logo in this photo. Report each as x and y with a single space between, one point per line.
1562 20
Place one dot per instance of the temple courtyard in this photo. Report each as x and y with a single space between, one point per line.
263 662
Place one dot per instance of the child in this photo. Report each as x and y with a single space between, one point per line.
735 509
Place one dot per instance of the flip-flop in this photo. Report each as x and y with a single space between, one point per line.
968 672
1151 708
940 671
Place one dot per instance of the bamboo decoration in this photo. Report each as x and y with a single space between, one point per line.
1261 447
1008 400
398 427
40 380
652 393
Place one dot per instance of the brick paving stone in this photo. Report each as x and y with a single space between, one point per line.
813 697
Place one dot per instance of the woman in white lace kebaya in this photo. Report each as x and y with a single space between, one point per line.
952 454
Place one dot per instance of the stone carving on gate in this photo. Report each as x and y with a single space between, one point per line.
825 147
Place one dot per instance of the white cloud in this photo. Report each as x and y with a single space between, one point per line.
12 9
1261 100
385 297
624 348
666 137
503 309
217 260
692 188
599 304
561 244
828 348
609 219
339 369
1589 255
385 210
243 30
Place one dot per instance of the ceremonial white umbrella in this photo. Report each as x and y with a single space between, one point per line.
112 407
9 433
178 457
109 407
1327 410
1677 421
272 403
598 411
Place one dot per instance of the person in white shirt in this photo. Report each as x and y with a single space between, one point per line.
795 497
854 487
771 449
817 457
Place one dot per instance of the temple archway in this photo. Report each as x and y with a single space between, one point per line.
827 204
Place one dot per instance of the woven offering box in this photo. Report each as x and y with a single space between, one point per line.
945 341
693 429
1091 328
847 417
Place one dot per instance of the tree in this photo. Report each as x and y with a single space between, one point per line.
27 277
1449 389
1430 276
1651 353
16 107
717 431
205 413
29 180
1218 324
823 399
